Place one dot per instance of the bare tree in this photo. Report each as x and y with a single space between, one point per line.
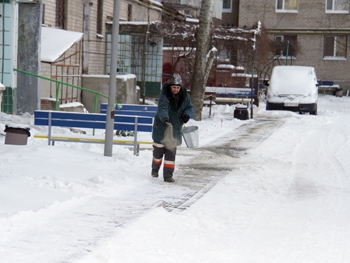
191 39
202 64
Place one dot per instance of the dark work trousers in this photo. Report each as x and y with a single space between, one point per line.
169 159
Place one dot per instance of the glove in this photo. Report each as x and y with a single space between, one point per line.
185 118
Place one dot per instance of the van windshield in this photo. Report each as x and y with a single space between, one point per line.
293 80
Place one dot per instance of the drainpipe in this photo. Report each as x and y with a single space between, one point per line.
2 87
86 17
3 41
144 58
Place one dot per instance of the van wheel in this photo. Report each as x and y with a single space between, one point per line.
314 112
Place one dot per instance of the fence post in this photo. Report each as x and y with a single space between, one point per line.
57 95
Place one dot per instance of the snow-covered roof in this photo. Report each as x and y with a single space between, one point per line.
139 23
192 20
125 76
54 42
225 66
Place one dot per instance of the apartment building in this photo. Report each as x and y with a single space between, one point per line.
311 33
68 39
229 14
94 18
71 38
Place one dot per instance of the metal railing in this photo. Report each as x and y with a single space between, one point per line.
58 87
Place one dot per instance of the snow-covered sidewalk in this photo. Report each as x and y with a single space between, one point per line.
282 198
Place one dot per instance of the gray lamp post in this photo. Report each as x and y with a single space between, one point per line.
112 82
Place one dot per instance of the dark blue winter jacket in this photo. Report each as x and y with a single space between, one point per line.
171 108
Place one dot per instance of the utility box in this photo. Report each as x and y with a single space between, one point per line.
16 135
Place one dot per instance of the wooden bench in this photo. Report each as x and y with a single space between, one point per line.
132 109
209 100
328 89
92 121
233 100
135 109
212 98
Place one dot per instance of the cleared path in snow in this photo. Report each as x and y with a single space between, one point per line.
212 162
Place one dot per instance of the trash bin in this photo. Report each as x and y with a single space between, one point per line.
16 135
241 112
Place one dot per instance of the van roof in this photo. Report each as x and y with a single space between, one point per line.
293 79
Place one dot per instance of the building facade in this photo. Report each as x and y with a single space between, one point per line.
8 48
229 14
90 54
311 33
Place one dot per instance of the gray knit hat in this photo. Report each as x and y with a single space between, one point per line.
175 79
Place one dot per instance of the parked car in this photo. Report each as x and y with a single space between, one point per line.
293 88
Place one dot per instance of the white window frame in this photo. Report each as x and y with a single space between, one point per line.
334 57
332 11
283 10
227 10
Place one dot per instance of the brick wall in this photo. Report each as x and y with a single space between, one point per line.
310 24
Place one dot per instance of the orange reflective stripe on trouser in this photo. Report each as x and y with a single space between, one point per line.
169 164
157 161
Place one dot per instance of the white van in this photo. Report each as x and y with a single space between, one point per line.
293 88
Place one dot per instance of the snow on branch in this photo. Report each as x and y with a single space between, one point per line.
180 30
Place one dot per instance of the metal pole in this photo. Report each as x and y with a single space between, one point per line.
112 82
2 87
287 53
251 90
86 15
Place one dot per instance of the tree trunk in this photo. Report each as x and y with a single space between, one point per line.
203 44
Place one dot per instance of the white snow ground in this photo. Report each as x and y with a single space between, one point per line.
281 195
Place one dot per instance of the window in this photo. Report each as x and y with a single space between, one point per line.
226 6
287 5
285 45
61 14
337 6
99 17
335 47
129 12
43 15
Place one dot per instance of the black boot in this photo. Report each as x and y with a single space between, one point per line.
154 173
169 180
